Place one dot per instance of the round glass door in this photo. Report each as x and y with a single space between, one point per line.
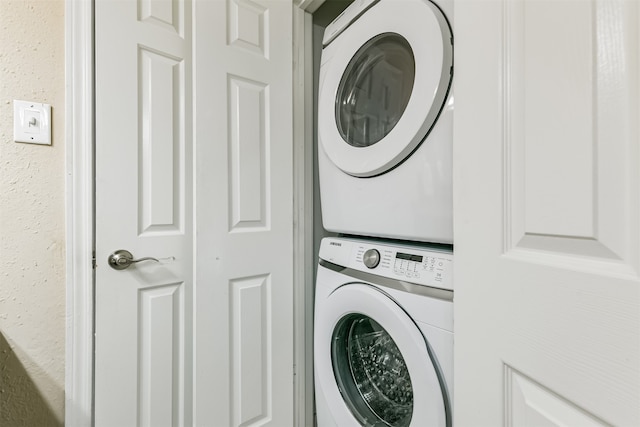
383 84
375 89
371 373
373 364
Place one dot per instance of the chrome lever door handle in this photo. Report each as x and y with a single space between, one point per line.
122 259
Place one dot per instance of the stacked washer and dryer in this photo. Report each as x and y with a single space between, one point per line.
383 333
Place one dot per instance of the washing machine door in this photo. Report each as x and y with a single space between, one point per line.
384 82
375 366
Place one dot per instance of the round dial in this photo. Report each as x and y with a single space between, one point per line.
371 258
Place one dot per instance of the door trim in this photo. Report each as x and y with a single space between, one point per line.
303 258
80 220
79 212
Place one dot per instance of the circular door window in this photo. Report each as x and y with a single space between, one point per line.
375 90
371 373
373 364
383 84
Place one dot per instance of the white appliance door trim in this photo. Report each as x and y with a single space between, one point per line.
427 31
368 300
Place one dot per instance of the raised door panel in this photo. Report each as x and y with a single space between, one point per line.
248 148
571 164
161 355
168 14
529 404
248 26
251 348
162 141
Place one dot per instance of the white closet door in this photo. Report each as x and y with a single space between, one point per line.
547 217
194 167
244 193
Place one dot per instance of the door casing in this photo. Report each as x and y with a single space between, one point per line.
80 215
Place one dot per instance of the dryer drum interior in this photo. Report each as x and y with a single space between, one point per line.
375 90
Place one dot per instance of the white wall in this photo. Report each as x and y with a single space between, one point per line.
32 246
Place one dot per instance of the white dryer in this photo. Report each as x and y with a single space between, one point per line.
385 117
383 335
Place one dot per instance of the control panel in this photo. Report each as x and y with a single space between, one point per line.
419 264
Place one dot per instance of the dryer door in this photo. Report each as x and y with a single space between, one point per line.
375 366
384 85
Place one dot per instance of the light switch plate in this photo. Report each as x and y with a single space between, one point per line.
31 122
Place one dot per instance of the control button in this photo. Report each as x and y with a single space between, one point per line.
371 258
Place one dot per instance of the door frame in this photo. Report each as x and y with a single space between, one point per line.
80 214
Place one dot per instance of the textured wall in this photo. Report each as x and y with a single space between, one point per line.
32 288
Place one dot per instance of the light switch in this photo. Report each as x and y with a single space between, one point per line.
31 122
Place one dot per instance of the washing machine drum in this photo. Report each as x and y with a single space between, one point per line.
381 370
384 82
371 373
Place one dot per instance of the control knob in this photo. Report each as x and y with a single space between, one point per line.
371 258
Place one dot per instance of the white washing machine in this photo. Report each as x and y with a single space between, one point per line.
383 337
385 117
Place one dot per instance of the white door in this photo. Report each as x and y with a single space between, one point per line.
547 214
194 168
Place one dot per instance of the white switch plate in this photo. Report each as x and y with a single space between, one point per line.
31 122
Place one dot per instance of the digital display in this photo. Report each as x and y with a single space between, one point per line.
409 257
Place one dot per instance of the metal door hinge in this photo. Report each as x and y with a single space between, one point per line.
93 260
